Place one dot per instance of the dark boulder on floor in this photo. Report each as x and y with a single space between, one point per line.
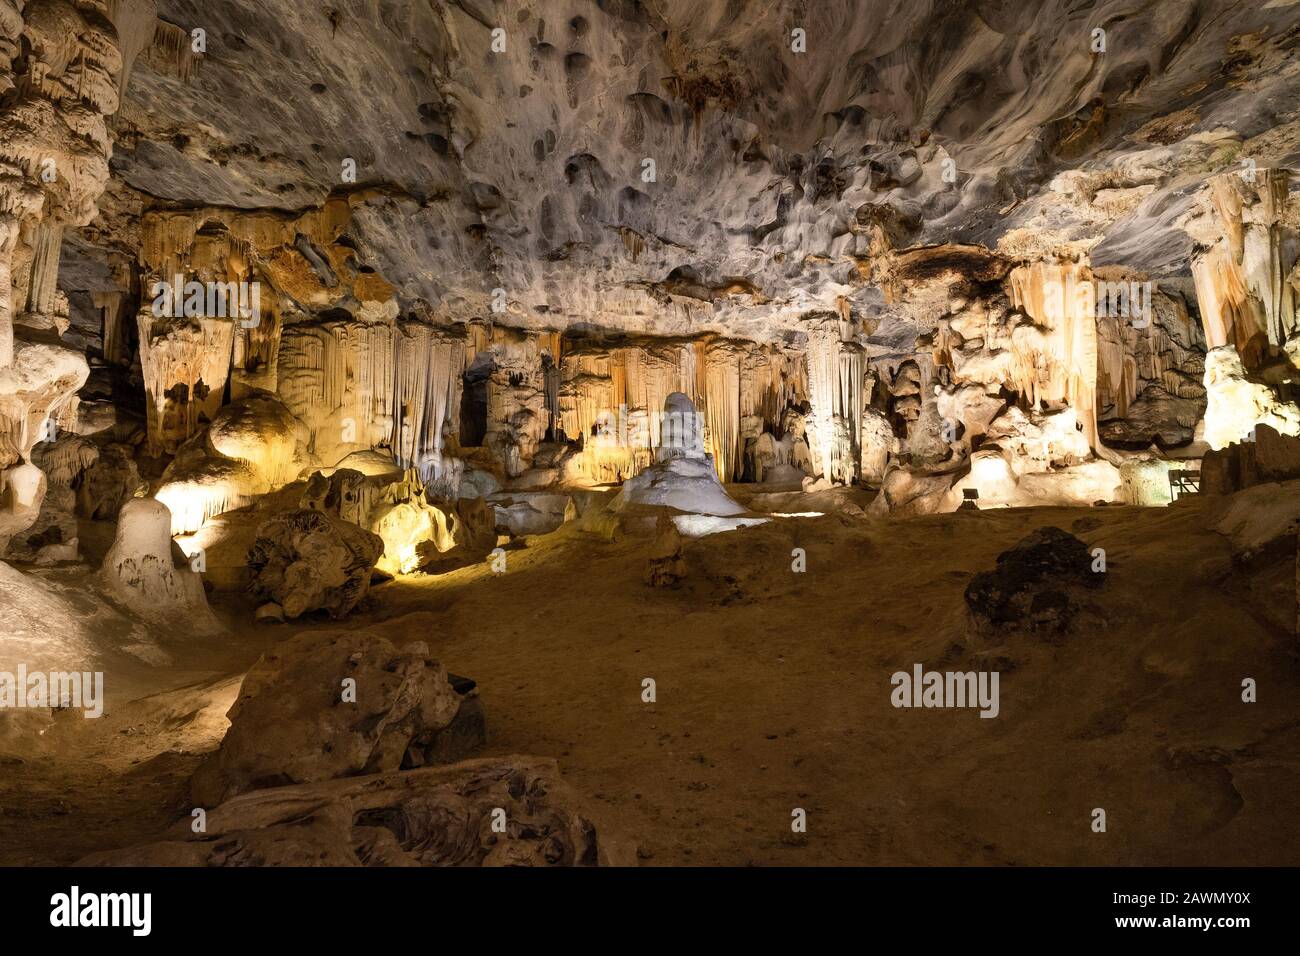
1035 586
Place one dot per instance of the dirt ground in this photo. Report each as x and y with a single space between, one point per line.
773 693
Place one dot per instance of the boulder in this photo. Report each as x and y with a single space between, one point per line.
1258 519
1035 586
339 704
307 561
1146 481
343 493
434 816
904 492
1156 417
523 513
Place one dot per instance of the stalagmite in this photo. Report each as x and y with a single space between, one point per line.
250 449
612 397
147 573
683 476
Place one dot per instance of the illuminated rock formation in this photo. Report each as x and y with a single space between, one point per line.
836 373
1244 276
357 386
612 396
683 476
148 574
1055 359
37 398
249 449
1237 403
308 561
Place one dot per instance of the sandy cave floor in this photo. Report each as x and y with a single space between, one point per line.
774 693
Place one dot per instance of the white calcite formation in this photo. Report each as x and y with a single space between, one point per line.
148 574
683 475
1244 276
1237 403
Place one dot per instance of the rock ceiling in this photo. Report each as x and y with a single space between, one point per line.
779 176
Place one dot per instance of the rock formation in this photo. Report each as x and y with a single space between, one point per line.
146 572
299 298
309 561
1036 586
339 704
435 816
683 476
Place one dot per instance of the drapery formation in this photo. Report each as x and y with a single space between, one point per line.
612 397
1243 279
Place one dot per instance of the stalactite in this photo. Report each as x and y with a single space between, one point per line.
1241 279
1056 359
357 385
517 403
619 391
171 52
426 396
722 408
137 26
185 363
42 290
338 379
835 390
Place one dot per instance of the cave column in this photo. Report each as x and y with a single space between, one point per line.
44 287
8 238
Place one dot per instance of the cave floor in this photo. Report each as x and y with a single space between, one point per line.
773 693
